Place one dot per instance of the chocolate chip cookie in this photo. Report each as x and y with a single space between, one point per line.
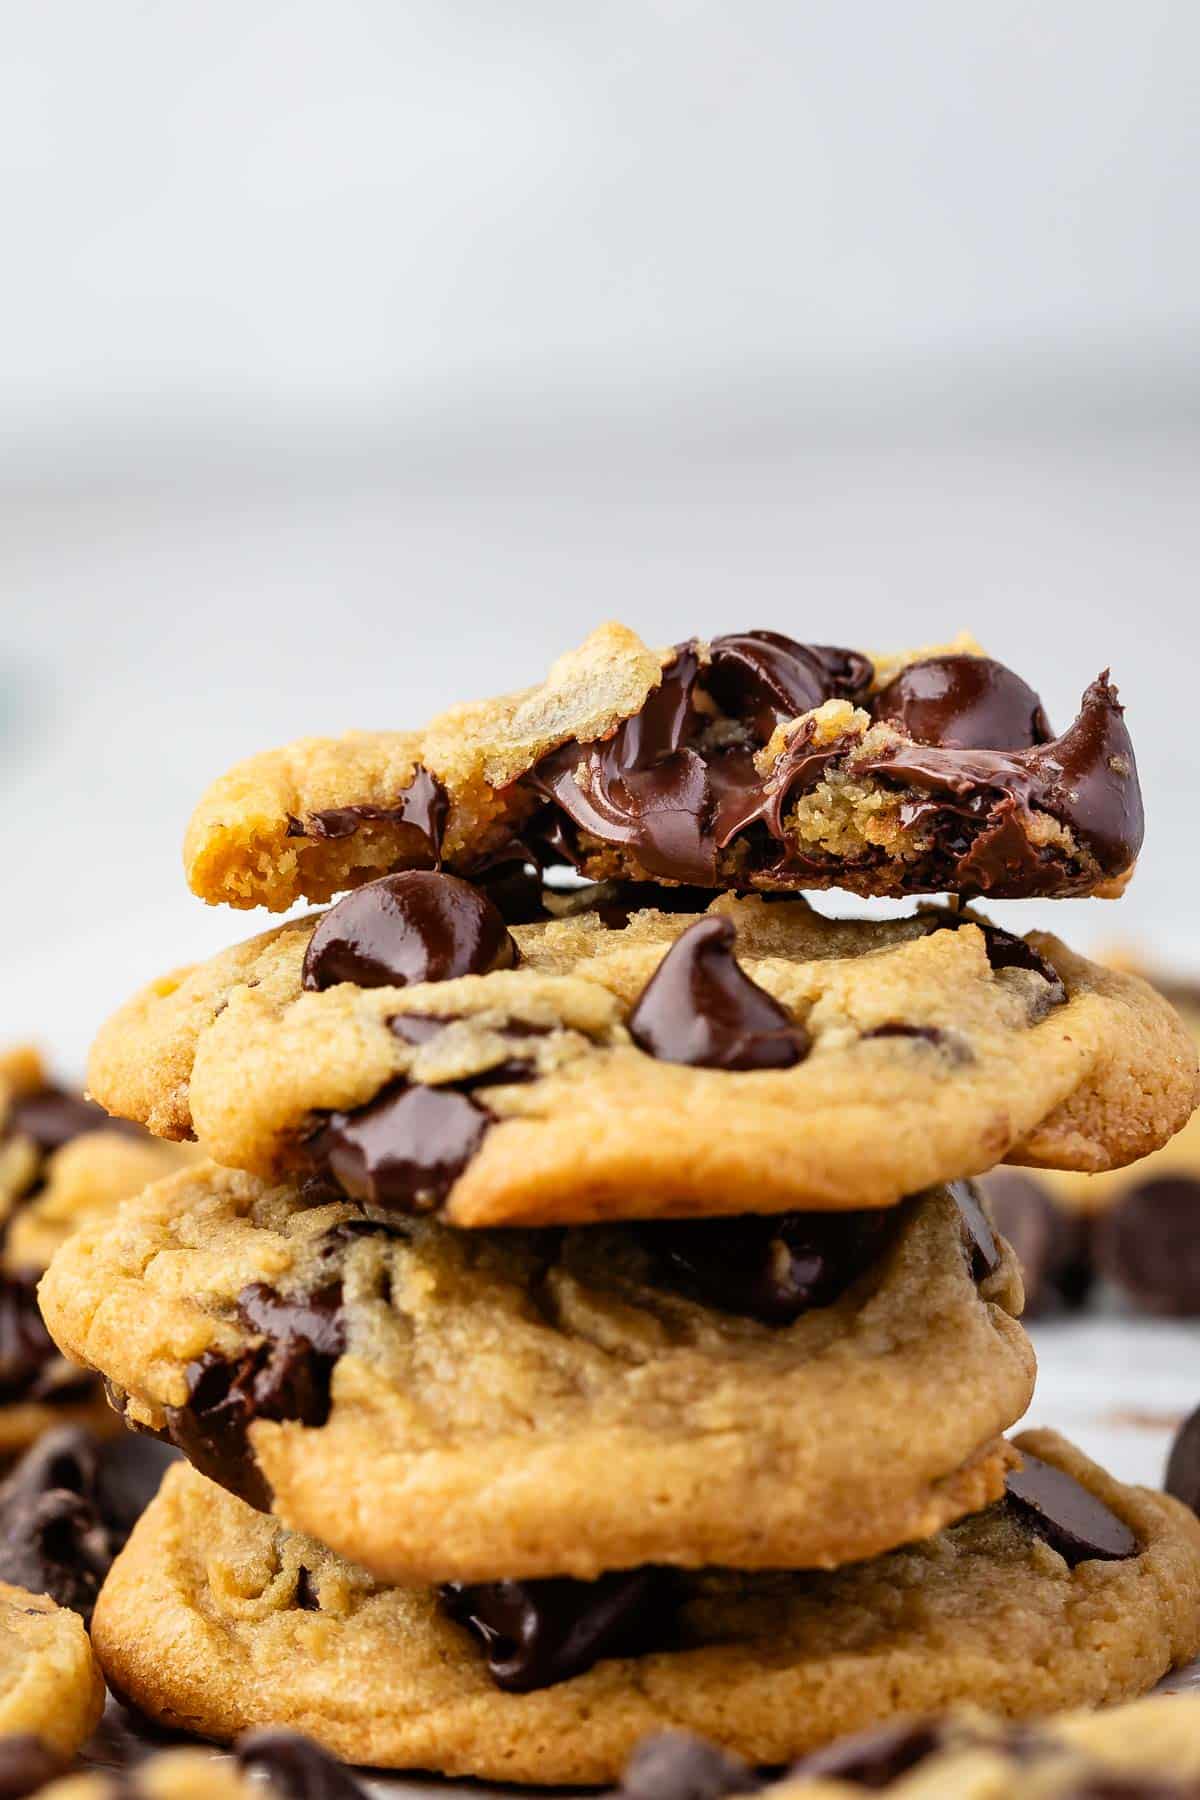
1074 1591
625 1060
751 761
62 1161
446 1405
50 1686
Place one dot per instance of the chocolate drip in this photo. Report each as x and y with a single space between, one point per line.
538 1633
295 1767
407 928
1069 1518
700 1008
963 703
772 1268
424 804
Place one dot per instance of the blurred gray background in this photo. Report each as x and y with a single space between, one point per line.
357 358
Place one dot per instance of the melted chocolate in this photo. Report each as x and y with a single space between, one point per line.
764 679
405 1150
538 1633
983 1250
963 703
424 805
286 1377
407 928
771 1268
674 1765
295 1767
700 1008
1069 1518
1148 1244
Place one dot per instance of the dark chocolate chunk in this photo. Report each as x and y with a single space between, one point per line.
1148 1244
1183 1464
407 928
295 1767
26 1764
982 1248
700 1008
873 1758
675 1765
405 1150
424 805
537 1633
1069 1518
286 1377
964 702
1052 1246
52 1117
771 1268
763 678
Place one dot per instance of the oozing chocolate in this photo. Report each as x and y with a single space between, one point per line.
1069 1518
407 928
424 805
963 703
285 1377
295 1767
771 1268
700 1008
1051 1246
1147 1244
538 1633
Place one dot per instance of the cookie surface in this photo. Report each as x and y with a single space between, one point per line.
50 1684
436 1404
62 1161
909 1052
208 1623
750 761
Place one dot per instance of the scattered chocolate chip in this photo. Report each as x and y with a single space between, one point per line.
27 1764
30 1365
982 1247
286 1377
1052 1246
405 1150
771 1268
1069 1518
295 1767
537 1633
1148 1244
700 1008
424 805
964 702
55 1544
873 1758
675 1765
1183 1464
412 927
52 1117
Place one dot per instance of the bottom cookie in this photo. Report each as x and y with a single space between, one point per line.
216 1619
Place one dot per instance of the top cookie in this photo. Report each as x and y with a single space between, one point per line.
749 762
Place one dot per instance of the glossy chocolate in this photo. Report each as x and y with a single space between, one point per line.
772 1268
405 1150
1148 1244
424 805
1069 1518
764 679
295 1767
700 1008
417 926
1052 1246
963 703
538 1633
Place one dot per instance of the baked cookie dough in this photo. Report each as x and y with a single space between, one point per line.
441 1405
50 1685
750 761
637 1062
215 1618
62 1161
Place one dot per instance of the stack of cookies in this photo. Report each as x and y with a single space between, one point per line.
588 1322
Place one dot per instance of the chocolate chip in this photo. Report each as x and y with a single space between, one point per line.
966 702
771 1268
1069 1518
1005 950
26 1764
873 1758
405 1150
699 1008
1183 1464
285 1378
674 1765
1052 1246
538 1633
30 1365
52 1117
424 805
983 1250
306 1593
763 678
1148 1244
295 1767
407 928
